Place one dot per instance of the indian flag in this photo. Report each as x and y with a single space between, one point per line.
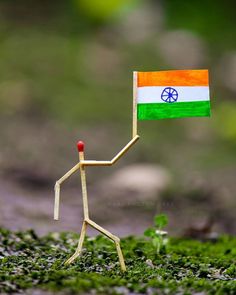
172 94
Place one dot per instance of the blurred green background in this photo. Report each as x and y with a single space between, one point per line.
66 74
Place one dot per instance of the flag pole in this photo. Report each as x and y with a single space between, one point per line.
135 81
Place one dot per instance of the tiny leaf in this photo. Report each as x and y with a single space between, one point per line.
150 232
160 221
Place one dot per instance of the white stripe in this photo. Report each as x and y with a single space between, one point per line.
153 94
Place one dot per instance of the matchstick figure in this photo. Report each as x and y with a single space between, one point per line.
81 166
87 221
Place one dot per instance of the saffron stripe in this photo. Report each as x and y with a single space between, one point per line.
153 111
174 78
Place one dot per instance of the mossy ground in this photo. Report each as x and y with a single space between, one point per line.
186 267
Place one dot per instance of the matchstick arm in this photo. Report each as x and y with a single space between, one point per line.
57 189
115 159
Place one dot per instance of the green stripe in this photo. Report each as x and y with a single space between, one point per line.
153 111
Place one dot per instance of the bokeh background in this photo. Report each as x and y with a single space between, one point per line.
66 74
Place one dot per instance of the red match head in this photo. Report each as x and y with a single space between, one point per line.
80 146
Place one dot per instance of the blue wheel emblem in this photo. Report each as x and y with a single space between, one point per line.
169 95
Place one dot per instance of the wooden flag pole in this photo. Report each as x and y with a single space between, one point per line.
135 84
81 166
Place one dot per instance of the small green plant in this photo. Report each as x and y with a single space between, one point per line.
156 233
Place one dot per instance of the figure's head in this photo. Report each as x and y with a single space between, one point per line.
80 146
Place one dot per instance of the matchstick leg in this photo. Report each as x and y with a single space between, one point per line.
80 245
115 239
120 255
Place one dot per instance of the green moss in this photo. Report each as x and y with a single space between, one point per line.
28 262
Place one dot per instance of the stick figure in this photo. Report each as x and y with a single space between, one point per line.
87 221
